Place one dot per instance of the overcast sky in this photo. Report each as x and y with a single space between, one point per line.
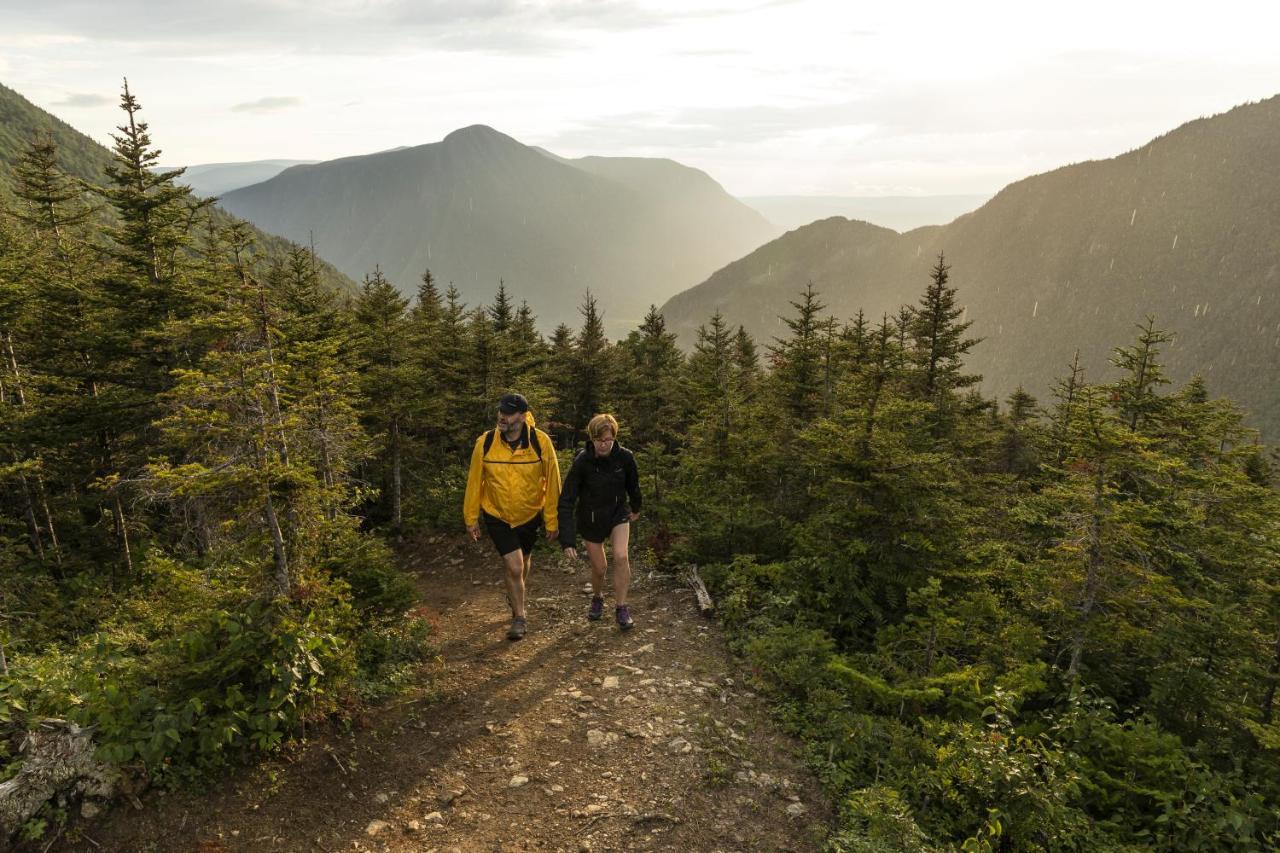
770 97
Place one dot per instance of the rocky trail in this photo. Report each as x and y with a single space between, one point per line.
578 738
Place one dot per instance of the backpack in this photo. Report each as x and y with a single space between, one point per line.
533 441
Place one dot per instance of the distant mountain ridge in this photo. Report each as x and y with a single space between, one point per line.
901 213
1185 228
21 122
479 206
214 179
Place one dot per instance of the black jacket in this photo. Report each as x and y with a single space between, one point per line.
601 487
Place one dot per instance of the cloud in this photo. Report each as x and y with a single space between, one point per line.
268 105
709 126
83 99
353 27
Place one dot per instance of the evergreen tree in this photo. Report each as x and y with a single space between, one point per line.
588 387
1135 392
799 361
381 315
938 344
501 312
649 397
1017 455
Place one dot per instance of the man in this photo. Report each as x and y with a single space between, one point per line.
512 487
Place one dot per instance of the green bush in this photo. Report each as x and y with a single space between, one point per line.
237 681
378 589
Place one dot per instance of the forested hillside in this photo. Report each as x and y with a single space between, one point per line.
1184 229
21 123
1014 625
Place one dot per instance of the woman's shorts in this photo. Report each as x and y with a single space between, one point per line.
596 532
507 538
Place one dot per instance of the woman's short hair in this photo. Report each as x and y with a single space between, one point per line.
596 426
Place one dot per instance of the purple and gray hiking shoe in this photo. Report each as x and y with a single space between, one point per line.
517 629
623 615
597 608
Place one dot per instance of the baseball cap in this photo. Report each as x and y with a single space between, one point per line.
512 403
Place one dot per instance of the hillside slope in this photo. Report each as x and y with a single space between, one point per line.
78 155
1185 228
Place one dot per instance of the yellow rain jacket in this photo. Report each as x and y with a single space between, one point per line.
513 485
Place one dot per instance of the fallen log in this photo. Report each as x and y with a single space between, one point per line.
705 605
57 759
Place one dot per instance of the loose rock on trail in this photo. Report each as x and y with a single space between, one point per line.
578 738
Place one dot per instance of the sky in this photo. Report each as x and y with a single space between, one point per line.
813 97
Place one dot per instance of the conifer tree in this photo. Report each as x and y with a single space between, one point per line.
649 395
1142 375
1017 442
53 201
501 312
381 315
588 387
938 345
798 360
558 366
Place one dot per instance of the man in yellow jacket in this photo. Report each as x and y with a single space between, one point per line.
513 487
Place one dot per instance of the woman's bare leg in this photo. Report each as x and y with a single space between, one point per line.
619 541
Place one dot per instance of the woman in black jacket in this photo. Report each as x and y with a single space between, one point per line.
605 486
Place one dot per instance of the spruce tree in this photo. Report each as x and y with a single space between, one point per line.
1142 375
649 395
938 345
799 360
589 385
381 315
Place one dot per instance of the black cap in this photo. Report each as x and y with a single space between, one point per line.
512 403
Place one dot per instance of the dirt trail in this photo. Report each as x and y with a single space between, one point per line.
579 737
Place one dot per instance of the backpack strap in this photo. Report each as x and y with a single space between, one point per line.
533 442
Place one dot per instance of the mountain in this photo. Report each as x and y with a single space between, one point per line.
1185 228
214 179
21 121
901 213
479 206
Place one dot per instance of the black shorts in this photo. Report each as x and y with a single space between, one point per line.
507 538
597 530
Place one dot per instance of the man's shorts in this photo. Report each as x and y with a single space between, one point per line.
507 538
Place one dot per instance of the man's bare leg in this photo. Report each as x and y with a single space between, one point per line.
514 565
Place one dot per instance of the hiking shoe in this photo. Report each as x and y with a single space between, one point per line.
517 629
597 608
625 622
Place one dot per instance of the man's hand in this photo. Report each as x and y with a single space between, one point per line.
633 516
552 534
474 531
571 553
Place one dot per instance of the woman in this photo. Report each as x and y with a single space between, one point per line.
605 486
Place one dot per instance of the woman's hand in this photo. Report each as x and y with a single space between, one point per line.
571 553
633 516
